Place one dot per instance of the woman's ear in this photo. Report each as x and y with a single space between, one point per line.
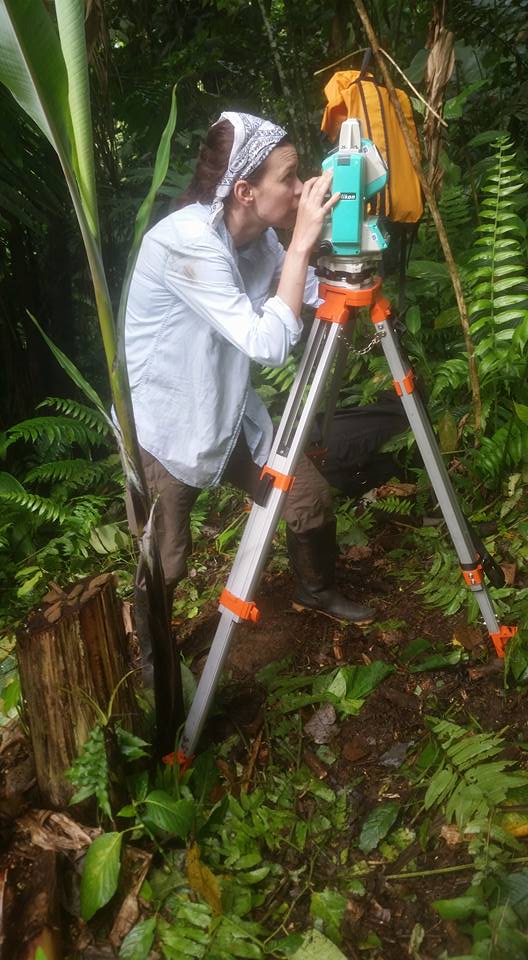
243 193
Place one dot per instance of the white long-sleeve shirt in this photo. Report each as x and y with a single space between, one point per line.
198 312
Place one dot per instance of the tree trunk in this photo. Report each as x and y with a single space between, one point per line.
72 654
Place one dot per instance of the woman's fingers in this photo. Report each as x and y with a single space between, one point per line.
331 202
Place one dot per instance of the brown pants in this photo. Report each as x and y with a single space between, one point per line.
308 505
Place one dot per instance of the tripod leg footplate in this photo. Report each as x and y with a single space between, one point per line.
501 638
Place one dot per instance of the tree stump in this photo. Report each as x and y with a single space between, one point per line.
71 651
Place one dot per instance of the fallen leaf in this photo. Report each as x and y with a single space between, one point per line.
322 726
355 749
315 765
395 490
451 835
359 553
391 637
466 636
515 823
510 573
203 880
394 757
137 863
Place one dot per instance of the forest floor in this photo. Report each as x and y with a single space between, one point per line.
324 768
372 755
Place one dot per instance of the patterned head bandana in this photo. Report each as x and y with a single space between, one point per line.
253 141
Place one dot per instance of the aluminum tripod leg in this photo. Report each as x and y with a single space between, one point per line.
291 437
436 469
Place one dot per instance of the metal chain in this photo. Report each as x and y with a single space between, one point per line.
377 338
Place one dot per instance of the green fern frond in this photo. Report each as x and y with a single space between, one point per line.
450 375
504 450
89 772
498 273
75 472
443 587
42 507
467 782
393 504
78 411
60 430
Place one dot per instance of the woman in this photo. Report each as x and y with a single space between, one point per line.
201 307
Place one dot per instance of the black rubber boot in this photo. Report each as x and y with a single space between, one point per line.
313 556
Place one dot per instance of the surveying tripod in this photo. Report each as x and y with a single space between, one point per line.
343 294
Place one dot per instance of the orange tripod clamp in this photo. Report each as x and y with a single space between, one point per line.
245 609
338 301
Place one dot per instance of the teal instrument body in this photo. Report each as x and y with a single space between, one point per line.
359 172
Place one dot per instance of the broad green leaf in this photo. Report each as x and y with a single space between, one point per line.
377 825
454 107
101 873
316 946
163 812
109 538
459 908
30 584
488 136
329 906
449 659
32 68
131 747
10 695
514 889
446 318
348 687
286 947
10 484
138 942
522 411
413 320
70 21
447 432
428 270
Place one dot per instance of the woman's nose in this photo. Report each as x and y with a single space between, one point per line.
298 187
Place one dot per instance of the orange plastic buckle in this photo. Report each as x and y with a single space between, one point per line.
406 385
473 577
245 609
380 310
338 301
180 758
280 480
501 638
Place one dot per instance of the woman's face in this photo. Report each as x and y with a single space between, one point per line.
277 193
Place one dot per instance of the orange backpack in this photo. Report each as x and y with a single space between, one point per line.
355 93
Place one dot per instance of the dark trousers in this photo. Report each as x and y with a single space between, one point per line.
308 505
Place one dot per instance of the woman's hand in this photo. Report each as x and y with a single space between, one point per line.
312 210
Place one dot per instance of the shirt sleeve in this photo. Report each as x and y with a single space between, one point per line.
202 276
310 296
